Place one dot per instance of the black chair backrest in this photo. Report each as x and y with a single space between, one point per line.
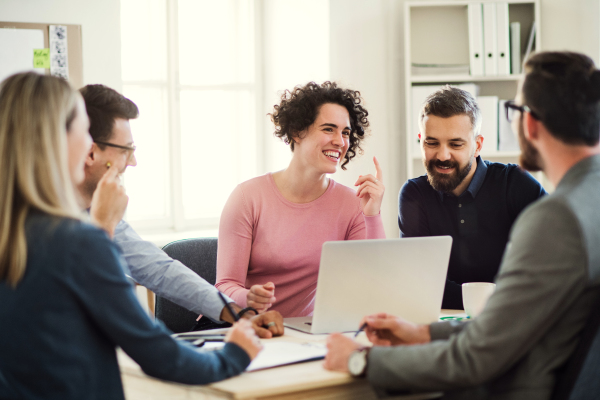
580 379
199 255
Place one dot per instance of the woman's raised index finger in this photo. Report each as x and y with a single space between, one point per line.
379 174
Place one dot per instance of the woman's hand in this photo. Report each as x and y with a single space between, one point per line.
242 334
370 191
261 297
387 330
109 201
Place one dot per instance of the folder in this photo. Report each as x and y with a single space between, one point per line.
476 39
515 48
490 41
503 44
488 105
530 42
507 139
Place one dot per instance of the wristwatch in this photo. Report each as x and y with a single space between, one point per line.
357 362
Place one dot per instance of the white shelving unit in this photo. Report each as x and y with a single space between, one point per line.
437 32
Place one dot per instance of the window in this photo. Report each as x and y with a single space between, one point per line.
204 74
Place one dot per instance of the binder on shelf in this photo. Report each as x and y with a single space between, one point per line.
490 41
488 105
476 58
515 48
418 96
503 44
530 42
507 139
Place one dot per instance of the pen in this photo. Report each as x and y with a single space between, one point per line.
233 314
363 326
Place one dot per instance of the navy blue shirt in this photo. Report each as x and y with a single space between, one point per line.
59 327
479 220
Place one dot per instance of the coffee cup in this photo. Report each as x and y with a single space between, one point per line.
475 296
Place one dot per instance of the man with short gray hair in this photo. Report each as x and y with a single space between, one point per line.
474 201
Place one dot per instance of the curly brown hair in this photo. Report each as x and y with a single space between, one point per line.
300 107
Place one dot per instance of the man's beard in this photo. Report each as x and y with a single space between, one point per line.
530 158
446 182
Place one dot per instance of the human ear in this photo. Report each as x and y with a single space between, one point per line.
478 144
530 126
91 157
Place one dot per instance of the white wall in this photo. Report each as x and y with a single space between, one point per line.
366 55
572 25
367 52
100 27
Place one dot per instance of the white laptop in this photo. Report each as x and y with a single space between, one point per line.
404 277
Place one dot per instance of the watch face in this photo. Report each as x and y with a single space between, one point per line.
357 362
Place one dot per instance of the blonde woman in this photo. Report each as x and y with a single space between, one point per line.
65 303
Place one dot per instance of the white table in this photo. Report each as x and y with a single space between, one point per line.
298 381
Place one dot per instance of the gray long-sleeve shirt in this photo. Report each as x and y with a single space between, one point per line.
548 281
168 278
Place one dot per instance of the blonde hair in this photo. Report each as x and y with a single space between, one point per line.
35 113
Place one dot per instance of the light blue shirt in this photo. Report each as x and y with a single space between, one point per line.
153 268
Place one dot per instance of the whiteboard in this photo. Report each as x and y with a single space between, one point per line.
16 50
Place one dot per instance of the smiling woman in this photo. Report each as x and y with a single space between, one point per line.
273 226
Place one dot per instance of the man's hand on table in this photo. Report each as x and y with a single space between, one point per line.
387 330
266 325
382 330
339 348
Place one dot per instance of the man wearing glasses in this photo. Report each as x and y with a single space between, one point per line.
474 201
111 153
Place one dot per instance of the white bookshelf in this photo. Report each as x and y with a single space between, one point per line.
437 32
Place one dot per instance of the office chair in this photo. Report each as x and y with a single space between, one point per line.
199 255
578 380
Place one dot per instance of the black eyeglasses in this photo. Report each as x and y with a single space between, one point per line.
118 146
511 108
130 149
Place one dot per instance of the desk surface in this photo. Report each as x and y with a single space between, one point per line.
298 381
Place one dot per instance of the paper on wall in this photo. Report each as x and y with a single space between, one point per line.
59 60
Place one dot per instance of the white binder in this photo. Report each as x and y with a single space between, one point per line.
503 49
476 39
507 140
515 48
488 105
490 41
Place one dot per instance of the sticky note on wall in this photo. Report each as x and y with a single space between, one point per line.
41 58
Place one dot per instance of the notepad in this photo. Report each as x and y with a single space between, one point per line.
278 353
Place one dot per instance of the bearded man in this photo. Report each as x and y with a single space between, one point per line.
474 201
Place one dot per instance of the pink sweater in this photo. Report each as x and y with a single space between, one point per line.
265 238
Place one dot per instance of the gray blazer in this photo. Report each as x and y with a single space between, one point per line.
547 283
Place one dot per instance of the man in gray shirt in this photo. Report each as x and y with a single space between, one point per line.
111 153
549 278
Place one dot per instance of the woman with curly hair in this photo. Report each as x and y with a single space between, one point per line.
273 226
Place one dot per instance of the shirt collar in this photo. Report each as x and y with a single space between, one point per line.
478 177
476 181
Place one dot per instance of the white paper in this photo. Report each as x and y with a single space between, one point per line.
279 353
59 57
16 50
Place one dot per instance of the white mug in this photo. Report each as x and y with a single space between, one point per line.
475 296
